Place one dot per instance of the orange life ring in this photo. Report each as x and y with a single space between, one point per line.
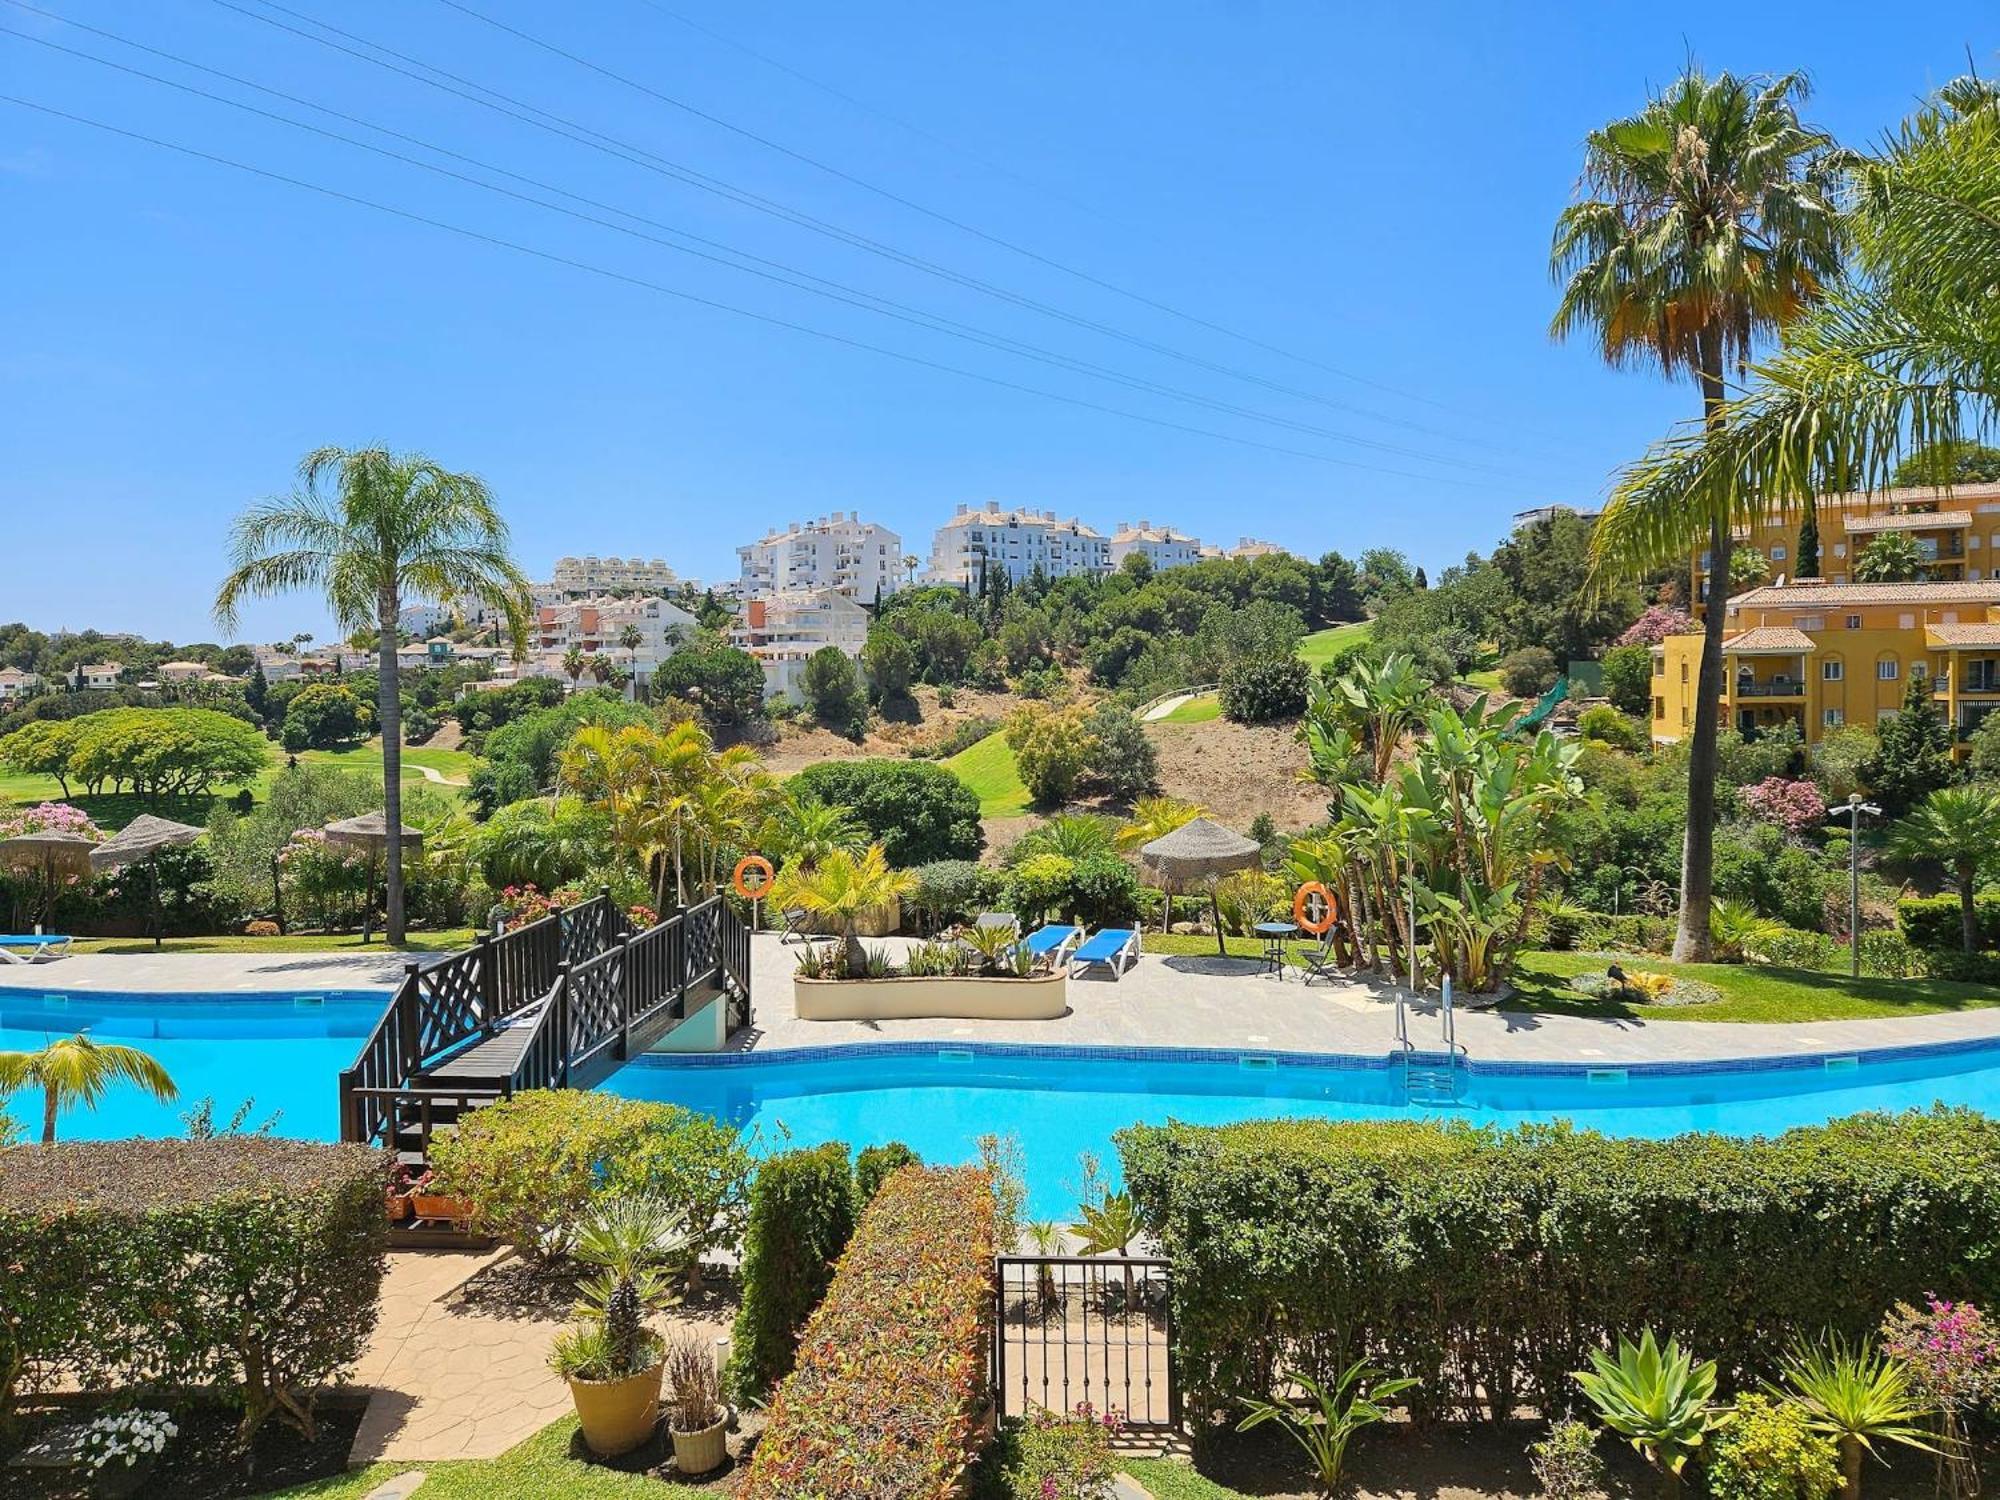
1302 903
753 862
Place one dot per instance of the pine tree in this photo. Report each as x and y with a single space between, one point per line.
1809 542
1912 755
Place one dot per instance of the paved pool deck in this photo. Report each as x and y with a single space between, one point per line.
214 973
1209 1001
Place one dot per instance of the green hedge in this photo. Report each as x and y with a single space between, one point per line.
802 1211
242 1265
1486 1263
1933 921
893 1366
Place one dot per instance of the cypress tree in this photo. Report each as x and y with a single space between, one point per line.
1809 542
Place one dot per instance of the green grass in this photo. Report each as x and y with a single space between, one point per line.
988 768
448 941
1198 945
1486 680
1203 709
539 1469
1749 992
1319 648
1170 1479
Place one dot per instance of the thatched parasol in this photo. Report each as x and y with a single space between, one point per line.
142 839
370 832
1194 856
54 855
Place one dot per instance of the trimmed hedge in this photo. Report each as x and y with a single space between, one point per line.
802 1213
892 1368
244 1265
1933 921
1487 1263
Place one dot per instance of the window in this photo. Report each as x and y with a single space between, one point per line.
1832 670
1840 549
1811 624
1949 617
1777 554
1854 622
1659 708
1833 718
1906 622
1660 665
1887 669
1684 671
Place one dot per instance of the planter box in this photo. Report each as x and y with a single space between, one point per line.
945 997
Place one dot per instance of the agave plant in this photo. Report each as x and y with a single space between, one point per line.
1856 1395
1740 935
1659 1399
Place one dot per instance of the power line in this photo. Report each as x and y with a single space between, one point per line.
818 286
534 115
556 258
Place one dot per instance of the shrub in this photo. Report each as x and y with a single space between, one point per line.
1121 760
873 1166
1528 672
1769 1451
801 1217
833 687
952 890
1628 679
243 1265
917 812
536 1164
1051 748
1567 1464
1264 690
1048 1457
1798 807
324 715
1932 922
1790 948
1603 722
1489 1263
893 1365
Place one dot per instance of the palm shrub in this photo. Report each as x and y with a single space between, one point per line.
843 888
1324 1423
1958 826
1658 1398
1740 934
630 1240
1857 1396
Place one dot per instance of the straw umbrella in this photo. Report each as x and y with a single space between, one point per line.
54 855
1194 856
142 839
370 833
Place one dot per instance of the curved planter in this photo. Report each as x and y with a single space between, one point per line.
618 1415
1042 997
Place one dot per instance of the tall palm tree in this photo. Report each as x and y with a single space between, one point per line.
1959 827
76 1070
631 639
394 526
573 665
1705 222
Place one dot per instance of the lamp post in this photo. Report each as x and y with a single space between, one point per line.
1853 810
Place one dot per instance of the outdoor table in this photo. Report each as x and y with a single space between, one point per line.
1275 936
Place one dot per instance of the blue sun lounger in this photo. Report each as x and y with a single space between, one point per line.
1049 941
1117 948
40 945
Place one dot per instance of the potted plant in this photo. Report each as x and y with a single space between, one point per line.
611 1359
425 1204
396 1196
695 1414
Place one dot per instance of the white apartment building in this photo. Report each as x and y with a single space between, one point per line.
14 683
591 577
783 631
1160 545
1018 540
841 552
101 675
595 626
1249 548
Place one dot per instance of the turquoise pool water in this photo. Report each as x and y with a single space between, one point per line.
283 1052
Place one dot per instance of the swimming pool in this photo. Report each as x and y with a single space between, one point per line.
283 1053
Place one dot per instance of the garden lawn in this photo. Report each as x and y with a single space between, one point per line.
988 768
1749 992
1203 709
448 941
1170 1479
1319 648
1203 945
539 1469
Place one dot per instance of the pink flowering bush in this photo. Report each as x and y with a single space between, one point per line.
1951 1352
1655 625
521 904
1795 806
50 817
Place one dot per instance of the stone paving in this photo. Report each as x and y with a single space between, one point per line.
215 973
450 1377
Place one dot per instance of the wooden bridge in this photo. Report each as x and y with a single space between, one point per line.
562 1002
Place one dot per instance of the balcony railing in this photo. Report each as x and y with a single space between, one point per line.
1777 687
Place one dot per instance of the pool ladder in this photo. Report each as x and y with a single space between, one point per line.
1432 1077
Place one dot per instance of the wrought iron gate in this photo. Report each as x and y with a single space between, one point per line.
1073 1331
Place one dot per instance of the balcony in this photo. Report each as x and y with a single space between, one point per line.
1775 687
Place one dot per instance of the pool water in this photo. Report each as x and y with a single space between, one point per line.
282 1054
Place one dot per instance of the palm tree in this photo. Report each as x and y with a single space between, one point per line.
801 829
572 665
75 1070
1706 221
395 526
631 640
843 888
1893 557
911 562
1958 826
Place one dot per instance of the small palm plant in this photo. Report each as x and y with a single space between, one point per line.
631 1241
1740 935
78 1071
1659 1399
844 887
1324 1423
1107 1226
1958 826
1856 1395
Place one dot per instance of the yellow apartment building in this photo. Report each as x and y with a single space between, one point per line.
1957 529
1821 655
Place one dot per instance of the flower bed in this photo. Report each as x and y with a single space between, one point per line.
885 1398
972 997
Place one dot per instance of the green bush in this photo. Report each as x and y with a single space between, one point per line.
534 1164
1264 690
324 715
1489 1263
917 812
244 1266
1603 722
1628 679
1769 1451
1933 921
1792 949
953 890
1045 1455
873 1166
801 1217
893 1366
1528 672
1888 955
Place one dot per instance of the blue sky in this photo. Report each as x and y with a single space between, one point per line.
1365 191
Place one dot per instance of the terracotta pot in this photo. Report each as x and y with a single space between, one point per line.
618 1415
702 1451
398 1205
437 1206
